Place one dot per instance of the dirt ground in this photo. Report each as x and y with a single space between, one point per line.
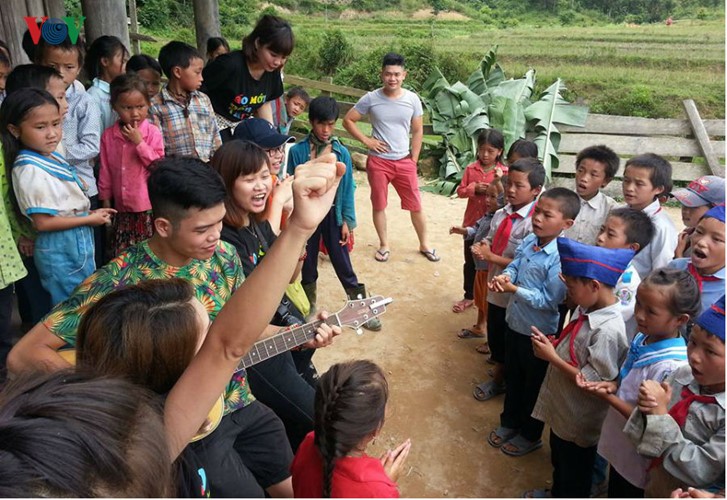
431 373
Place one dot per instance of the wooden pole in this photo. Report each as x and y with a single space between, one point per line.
133 18
13 27
700 134
55 8
105 17
206 21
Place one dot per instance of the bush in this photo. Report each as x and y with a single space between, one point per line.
639 101
335 50
153 13
237 12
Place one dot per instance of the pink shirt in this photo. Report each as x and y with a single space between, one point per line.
124 167
476 204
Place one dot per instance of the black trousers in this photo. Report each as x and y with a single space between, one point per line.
524 375
619 487
276 383
468 270
572 468
330 232
6 337
33 300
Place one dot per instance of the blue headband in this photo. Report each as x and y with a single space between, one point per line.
712 319
585 261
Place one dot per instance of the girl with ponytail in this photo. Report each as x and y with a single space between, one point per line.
350 405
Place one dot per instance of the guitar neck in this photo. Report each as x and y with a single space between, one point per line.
282 342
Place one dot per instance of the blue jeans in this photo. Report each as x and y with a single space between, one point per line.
64 259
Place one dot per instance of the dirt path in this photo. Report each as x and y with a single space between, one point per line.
431 373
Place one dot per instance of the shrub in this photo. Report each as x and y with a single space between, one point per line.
335 50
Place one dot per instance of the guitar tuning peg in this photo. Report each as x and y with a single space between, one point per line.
359 331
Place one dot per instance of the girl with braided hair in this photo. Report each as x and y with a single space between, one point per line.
350 406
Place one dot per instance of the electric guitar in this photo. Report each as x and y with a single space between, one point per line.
354 314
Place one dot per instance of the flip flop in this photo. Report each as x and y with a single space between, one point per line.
487 390
382 256
462 305
431 255
483 348
500 436
538 493
521 446
466 333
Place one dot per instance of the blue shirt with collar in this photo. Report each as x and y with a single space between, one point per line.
539 288
344 202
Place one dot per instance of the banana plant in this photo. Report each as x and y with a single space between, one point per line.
460 112
543 116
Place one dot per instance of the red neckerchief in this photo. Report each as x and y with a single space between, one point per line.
502 235
700 278
680 410
571 329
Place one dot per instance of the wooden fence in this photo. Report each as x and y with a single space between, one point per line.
697 146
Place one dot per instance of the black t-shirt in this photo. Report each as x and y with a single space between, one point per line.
192 479
247 241
233 92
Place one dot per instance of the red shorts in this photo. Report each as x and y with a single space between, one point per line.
402 174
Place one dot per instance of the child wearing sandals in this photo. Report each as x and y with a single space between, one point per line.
475 180
509 226
533 280
591 347
477 233
667 298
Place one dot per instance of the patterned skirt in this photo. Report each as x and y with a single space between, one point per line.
130 228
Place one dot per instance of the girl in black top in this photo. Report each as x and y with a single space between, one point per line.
284 382
244 82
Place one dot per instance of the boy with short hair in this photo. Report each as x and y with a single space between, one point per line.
509 226
336 228
646 178
596 166
707 261
681 422
701 195
533 280
631 229
182 112
82 124
593 345
288 108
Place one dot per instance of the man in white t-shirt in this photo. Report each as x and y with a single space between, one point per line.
394 112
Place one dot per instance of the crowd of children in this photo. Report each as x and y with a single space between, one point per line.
601 321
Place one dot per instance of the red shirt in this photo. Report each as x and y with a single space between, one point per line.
353 477
476 204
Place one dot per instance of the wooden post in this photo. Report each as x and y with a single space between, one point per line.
105 17
326 79
55 8
12 28
134 20
36 8
700 134
206 22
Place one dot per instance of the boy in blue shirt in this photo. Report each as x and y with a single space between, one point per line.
534 281
336 228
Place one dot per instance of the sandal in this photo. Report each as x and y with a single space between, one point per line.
483 348
467 333
431 255
462 305
538 493
487 390
500 436
519 446
382 256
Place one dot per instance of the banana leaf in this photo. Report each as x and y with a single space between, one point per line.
519 90
476 122
544 114
446 188
489 73
434 84
507 116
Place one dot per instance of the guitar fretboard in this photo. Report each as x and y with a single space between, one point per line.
282 342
